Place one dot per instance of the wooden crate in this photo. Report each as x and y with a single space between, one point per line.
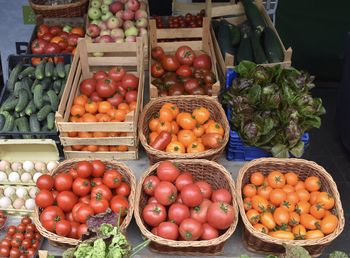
132 153
237 10
199 39
180 8
83 66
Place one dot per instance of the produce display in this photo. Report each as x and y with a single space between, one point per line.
182 73
287 207
26 173
22 240
272 107
117 21
17 198
32 97
180 208
187 21
179 132
56 39
69 198
3 219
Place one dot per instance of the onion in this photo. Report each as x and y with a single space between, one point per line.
30 204
26 177
5 202
16 166
32 192
36 176
51 165
4 165
18 203
21 192
3 176
9 191
40 166
13 177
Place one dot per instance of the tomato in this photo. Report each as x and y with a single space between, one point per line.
105 88
303 195
289 206
152 200
165 193
299 231
184 71
157 70
257 178
183 179
99 205
123 189
84 169
277 196
186 121
38 46
191 195
101 191
14 252
247 202
117 73
87 86
63 228
100 75
74 230
302 207
167 171
66 200
42 29
168 230
63 182
185 55
326 200
170 63
281 216
299 185
154 214
261 228
308 221
52 48
112 178
276 179
209 232
49 216
264 191
30 228
199 212
191 85
314 234
155 231
95 97
312 183
291 178
249 190
317 211
266 218
44 198
55 30
253 216
294 218
85 199
281 234
313 197
120 204
221 195
5 243
329 224
45 182
82 230
190 229
178 212
5 251
150 184
73 173
130 82
220 215
157 53
202 61
81 186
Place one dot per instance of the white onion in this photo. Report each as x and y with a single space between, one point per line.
26 177
40 166
5 202
36 176
4 165
18 203
30 204
21 192
32 192
9 191
28 166
16 166
13 177
3 176
51 165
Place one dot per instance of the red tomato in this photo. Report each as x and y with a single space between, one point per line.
105 88
69 215
81 186
42 29
5 251
82 230
152 200
15 253
170 63
26 220
99 205
96 181
83 213
101 191
74 230
85 199
150 184
155 231
184 71
157 70
185 55
191 85
131 96
18 236
73 173
84 169
100 75
168 230
11 230
120 204
49 216
154 214
29 235
38 46
87 86
157 53
63 182
112 178
5 243
165 193
191 195
31 252
123 189
52 48
205 188
221 195
30 228
98 168
45 182
167 171
72 40
55 30
202 61
220 215
199 212
209 232
95 97
117 73
130 82
47 37
66 200
21 228
44 198
63 227
178 212
190 229
185 178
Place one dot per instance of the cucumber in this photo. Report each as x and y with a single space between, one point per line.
9 123
54 75
43 112
272 46
244 51
67 69
53 99
50 121
18 86
28 72
30 108
63 84
57 86
10 103
235 34
13 77
2 121
60 70
23 126
23 100
224 39
16 114
22 85
258 51
46 83
38 96
40 70
44 128
27 84
254 16
49 67
46 99
36 82
34 123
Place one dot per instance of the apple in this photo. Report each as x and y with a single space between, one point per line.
119 40
132 31
128 15
104 8
103 25
142 32
97 22
143 6
116 6
128 24
98 54
67 28
107 2
141 23
114 22
130 39
119 14
105 32
123 1
132 5
94 13
93 30
140 14
95 3
106 39
106 16
117 33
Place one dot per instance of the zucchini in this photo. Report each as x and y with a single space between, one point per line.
50 121
254 16
57 86
34 123
40 70
224 39
9 123
13 77
258 51
53 99
67 69
43 112
46 83
60 70
23 126
2 121
10 103
235 34
30 108
38 96
272 46
28 72
49 67
23 100
244 51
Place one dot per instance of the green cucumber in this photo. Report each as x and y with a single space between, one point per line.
50 121
10 103
30 108
46 99
244 51
38 96
36 82
44 128
18 86
40 70
272 46
67 69
258 51
54 75
49 67
46 83
63 84
13 77
254 16
2 121
28 72
22 85
43 112
23 100
60 70
34 123
224 39
9 123
27 83
23 126
57 86
53 100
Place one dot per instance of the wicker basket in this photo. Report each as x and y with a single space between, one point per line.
260 242
65 166
185 103
75 9
201 169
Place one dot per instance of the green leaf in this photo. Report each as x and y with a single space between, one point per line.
245 69
298 150
312 122
338 254
280 151
244 256
254 94
296 251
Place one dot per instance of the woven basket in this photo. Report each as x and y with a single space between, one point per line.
65 166
260 242
185 103
76 9
201 169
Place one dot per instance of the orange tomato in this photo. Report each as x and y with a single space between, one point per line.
299 185
260 203
289 206
174 127
164 126
80 100
309 221
215 128
85 148
120 115
281 234
314 234
186 137
122 148
288 189
104 148
113 148
100 134
249 190
261 228
79 31
87 117
201 114
312 183
175 147
198 131
253 216
91 107
299 231
92 148
206 125
292 197
247 202
56 39
36 61
72 134
276 179
281 216
113 134
104 118
112 113
302 207
74 119
257 178
85 135
327 212
277 196
291 178
153 136
165 114
124 106
267 220
303 195
77 147
265 191
326 200
195 147
133 105
77 110
294 218
153 123
313 197
186 121
104 107
173 137
317 211
329 224
172 107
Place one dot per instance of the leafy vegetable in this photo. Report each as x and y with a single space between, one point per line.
296 251
271 107
338 254
84 251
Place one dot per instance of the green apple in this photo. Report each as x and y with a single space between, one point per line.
95 3
106 16
97 22
67 28
94 13
104 8
107 2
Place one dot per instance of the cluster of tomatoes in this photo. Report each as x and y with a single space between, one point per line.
21 241
286 207
180 208
3 218
69 198
56 39
183 132
187 21
182 73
